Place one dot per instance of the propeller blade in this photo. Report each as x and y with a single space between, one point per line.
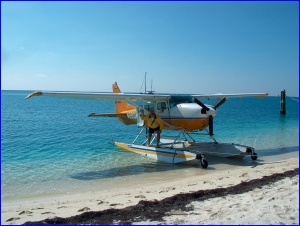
210 117
211 125
219 103
202 105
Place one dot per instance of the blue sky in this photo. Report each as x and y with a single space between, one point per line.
185 47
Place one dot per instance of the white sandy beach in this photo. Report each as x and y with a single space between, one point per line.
277 203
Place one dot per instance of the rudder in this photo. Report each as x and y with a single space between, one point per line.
121 105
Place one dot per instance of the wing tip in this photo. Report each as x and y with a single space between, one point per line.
36 93
262 95
92 114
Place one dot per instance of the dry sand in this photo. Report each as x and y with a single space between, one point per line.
223 197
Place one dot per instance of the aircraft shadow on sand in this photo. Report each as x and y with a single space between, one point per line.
158 166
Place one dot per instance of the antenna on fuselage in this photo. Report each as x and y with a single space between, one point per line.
143 84
151 91
147 92
146 82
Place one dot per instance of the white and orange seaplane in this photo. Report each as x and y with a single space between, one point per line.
184 113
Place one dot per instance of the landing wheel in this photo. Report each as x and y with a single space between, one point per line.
204 163
254 156
202 160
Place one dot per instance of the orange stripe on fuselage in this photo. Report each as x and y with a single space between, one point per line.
188 124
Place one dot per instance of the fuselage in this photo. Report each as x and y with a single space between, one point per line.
180 111
188 116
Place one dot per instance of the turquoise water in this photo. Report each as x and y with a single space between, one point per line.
50 146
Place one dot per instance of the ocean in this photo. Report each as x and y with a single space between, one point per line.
50 147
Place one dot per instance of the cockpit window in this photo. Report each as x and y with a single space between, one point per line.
180 99
148 107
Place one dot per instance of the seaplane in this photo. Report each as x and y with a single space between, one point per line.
184 114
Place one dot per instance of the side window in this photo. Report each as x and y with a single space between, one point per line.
149 106
161 106
158 106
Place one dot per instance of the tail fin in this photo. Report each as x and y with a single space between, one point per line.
121 105
116 88
125 112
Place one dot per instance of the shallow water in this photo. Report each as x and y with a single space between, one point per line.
50 146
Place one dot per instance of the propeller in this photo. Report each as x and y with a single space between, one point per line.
219 103
210 118
210 125
204 108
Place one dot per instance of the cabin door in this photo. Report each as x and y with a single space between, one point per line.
140 122
162 109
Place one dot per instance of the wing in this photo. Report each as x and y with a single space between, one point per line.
132 97
234 95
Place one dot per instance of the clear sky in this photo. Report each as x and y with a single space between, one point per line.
185 47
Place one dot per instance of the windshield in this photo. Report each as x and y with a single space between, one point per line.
179 100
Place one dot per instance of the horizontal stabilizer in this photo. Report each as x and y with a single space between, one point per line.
107 114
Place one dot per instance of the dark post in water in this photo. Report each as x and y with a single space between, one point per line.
282 102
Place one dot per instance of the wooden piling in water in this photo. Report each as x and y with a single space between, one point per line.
282 103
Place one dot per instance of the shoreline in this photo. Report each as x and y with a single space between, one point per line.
37 211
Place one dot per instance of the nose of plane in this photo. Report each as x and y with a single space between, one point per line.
211 112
